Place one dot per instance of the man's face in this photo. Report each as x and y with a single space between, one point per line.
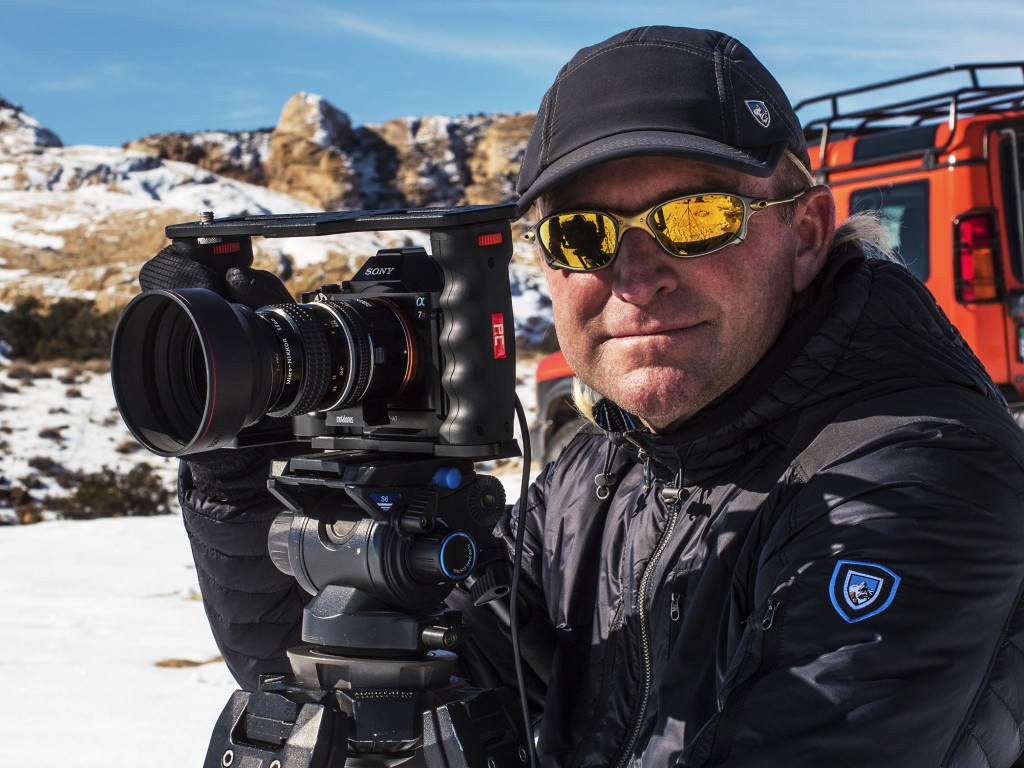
659 335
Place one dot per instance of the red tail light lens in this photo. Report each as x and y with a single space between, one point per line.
979 277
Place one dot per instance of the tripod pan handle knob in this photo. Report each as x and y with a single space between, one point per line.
442 557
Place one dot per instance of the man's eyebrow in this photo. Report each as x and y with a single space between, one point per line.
724 186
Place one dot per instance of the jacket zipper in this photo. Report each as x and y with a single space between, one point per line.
645 640
616 624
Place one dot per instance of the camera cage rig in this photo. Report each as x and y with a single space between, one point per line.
381 529
472 246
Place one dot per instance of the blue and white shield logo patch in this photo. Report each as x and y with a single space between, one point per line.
760 112
860 590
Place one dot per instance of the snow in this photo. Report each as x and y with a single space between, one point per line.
90 610
11 231
22 131
328 123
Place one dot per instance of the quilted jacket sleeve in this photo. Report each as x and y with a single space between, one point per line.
887 621
254 609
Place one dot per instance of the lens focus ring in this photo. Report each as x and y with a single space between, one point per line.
311 357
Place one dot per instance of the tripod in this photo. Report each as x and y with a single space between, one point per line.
380 540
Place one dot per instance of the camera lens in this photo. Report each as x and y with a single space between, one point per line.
351 350
190 370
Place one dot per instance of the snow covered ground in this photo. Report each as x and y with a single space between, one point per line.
91 612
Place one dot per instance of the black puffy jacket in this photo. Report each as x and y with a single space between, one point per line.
834 576
824 568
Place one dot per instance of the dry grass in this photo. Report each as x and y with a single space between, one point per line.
187 663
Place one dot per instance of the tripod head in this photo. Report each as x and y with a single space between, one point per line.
401 528
380 540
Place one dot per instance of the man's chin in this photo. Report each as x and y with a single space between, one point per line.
660 398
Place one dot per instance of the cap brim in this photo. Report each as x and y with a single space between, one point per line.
758 162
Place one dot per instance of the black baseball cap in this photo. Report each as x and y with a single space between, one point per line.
690 93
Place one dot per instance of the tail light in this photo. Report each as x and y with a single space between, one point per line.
976 252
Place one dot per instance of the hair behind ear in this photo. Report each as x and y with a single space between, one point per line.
869 231
583 397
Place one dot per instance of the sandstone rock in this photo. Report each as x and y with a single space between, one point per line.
306 158
430 155
316 155
234 154
494 165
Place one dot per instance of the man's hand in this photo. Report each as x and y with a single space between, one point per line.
184 264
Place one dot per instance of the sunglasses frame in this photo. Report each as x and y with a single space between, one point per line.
623 224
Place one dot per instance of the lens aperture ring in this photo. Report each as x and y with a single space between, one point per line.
360 353
307 356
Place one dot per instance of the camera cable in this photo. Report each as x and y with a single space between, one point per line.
517 566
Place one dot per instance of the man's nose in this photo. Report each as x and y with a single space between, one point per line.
642 269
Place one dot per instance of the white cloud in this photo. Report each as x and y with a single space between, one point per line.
469 44
91 77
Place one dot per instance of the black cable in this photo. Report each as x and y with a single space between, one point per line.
517 566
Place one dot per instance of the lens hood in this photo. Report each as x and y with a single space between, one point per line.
186 370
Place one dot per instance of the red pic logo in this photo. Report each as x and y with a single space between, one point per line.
498 332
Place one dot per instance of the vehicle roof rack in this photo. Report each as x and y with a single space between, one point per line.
967 99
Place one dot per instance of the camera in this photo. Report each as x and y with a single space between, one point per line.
415 353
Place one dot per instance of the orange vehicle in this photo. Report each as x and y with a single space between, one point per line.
940 155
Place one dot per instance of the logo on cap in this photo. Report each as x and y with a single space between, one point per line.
760 112
859 590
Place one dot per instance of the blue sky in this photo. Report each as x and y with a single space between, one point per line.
107 72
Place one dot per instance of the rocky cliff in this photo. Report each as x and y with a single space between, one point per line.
315 154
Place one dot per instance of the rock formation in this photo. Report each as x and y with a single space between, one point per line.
22 132
237 154
316 155
306 157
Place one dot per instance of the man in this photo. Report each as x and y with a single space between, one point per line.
794 535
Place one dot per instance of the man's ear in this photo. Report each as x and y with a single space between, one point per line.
814 225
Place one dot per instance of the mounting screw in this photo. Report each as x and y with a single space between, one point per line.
205 217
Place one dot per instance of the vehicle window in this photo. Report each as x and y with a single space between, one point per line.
904 209
1011 160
